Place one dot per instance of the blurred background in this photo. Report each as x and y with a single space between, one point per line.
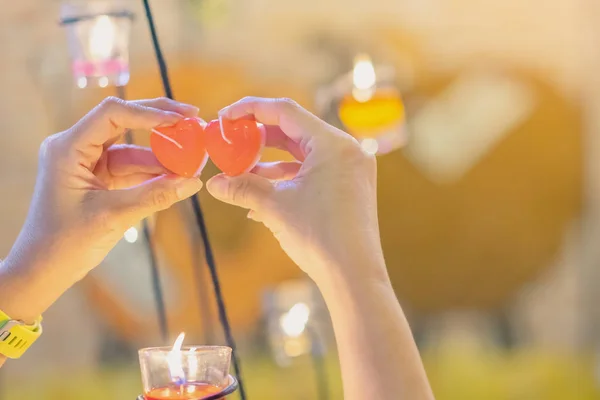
485 116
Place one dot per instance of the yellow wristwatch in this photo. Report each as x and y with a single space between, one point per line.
16 336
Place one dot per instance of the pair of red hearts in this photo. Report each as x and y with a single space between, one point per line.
234 146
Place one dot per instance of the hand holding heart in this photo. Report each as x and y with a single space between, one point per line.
88 192
323 207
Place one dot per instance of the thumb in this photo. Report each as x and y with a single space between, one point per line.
246 191
156 194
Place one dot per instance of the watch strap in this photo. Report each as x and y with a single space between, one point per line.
16 336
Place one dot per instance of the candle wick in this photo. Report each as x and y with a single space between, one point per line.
180 382
223 131
176 143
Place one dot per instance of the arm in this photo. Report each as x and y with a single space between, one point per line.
24 296
29 289
378 356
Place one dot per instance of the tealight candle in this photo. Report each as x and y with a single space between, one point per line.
368 104
234 146
188 391
373 110
185 373
98 38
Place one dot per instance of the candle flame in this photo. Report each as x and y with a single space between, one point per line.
174 360
363 75
102 38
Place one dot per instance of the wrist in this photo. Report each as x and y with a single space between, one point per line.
13 286
353 272
28 288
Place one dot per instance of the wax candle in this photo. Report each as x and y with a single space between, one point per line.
234 146
382 110
187 391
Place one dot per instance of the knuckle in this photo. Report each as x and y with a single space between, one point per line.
102 218
162 199
105 220
351 150
249 99
111 102
48 147
287 103
56 150
238 191
112 105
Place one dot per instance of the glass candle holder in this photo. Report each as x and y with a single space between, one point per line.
188 373
367 103
295 317
98 38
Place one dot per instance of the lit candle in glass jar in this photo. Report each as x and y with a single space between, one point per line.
372 110
186 373
98 38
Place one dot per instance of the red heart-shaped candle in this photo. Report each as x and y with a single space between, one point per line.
234 146
181 148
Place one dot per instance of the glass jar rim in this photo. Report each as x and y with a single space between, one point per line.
185 349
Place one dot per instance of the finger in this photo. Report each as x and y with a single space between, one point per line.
294 121
154 195
166 104
277 170
124 160
246 191
113 116
128 181
276 138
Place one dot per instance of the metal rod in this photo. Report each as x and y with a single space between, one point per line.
222 310
208 253
203 298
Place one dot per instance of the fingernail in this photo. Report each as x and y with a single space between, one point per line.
223 112
187 187
193 109
217 185
188 109
171 118
202 122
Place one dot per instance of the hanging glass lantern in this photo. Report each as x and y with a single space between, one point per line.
296 322
98 37
368 104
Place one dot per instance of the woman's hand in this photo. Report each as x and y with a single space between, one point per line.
323 207
323 211
88 193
